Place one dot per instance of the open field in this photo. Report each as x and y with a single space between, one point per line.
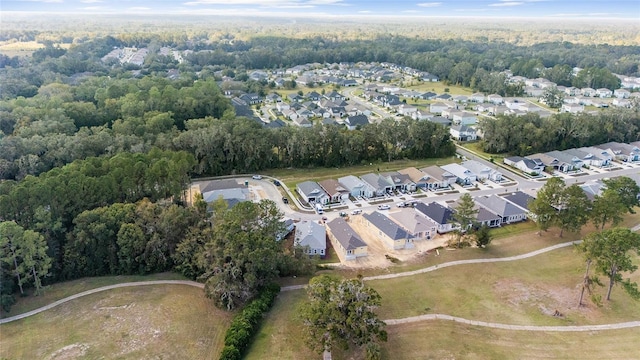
153 322
61 290
447 340
293 176
522 292
438 88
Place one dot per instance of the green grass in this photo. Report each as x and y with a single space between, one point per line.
292 176
151 322
446 340
438 88
519 292
61 290
513 229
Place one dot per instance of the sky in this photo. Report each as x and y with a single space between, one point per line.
580 9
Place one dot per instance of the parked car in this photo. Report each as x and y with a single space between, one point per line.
384 207
342 214
276 182
401 204
257 177
285 200
356 212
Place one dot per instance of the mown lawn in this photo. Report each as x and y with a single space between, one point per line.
61 290
446 340
151 322
292 176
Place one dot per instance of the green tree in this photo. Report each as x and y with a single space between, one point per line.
464 216
574 209
627 189
546 204
483 236
606 208
242 255
553 97
610 251
340 313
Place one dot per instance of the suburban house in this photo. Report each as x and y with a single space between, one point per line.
438 178
507 211
495 99
604 92
337 193
483 171
251 99
520 199
441 215
311 192
378 183
621 151
438 108
464 176
229 190
551 161
622 93
572 108
356 187
419 227
487 217
399 181
463 133
388 232
604 155
592 189
588 158
464 118
591 92
347 243
311 236
575 162
477 98
352 122
530 166
416 176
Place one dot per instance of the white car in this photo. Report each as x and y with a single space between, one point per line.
384 207
257 177
356 212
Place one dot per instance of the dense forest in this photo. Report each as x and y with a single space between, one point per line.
94 155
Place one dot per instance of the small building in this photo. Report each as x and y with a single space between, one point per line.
438 178
419 227
312 237
441 215
464 176
399 181
483 171
312 192
353 122
356 187
378 183
337 193
416 176
463 133
388 232
508 212
532 167
346 241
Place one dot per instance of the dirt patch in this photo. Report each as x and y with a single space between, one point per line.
551 300
72 351
377 251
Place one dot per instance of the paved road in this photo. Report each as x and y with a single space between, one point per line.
383 114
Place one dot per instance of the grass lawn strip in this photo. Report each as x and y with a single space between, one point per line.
160 321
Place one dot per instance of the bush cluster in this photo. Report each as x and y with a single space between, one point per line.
246 323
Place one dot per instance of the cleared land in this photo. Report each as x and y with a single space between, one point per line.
154 322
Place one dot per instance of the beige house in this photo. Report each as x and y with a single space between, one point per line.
388 232
347 243
419 227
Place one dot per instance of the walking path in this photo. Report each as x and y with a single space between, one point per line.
570 328
97 290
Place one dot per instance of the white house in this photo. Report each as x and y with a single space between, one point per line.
604 93
495 99
621 93
356 187
483 171
463 175
311 192
312 237
463 133
477 98
437 108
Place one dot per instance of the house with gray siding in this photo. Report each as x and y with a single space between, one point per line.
378 183
312 192
356 187
508 212
312 237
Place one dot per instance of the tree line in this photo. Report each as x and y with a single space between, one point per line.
529 133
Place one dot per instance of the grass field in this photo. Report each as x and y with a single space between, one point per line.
438 88
61 290
151 322
445 340
293 176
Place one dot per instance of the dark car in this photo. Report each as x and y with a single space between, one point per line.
276 182
285 200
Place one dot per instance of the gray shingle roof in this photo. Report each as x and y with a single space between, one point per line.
385 225
312 234
346 236
436 212
499 205
519 198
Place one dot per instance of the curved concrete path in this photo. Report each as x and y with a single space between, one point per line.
97 290
568 328
413 319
